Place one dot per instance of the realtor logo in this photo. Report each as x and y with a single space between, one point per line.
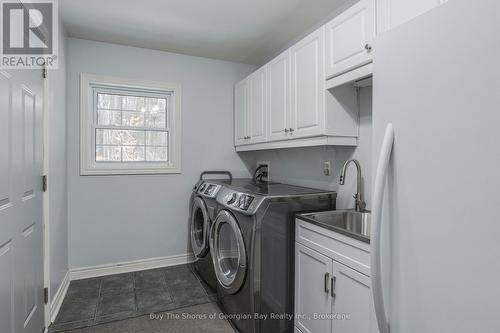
29 34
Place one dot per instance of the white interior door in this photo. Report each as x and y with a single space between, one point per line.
440 224
21 154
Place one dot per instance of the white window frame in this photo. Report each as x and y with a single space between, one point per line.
88 165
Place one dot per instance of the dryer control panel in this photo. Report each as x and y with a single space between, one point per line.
238 201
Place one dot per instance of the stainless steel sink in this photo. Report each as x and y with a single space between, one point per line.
348 222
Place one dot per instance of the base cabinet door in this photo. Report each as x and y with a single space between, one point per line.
352 302
349 38
312 290
241 94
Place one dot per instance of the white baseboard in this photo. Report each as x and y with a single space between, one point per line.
56 303
130 266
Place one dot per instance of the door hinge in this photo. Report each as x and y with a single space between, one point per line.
46 295
44 72
44 183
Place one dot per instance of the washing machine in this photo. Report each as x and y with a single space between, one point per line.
203 207
252 243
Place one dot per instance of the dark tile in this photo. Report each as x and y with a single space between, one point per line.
194 325
83 289
119 283
115 316
153 300
130 325
178 269
213 298
76 310
207 288
185 296
151 279
70 326
115 303
181 278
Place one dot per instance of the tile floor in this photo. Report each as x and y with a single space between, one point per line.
100 300
168 323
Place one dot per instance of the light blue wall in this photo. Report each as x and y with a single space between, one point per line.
304 166
57 180
115 219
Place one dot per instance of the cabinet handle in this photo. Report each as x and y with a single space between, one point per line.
368 47
291 130
333 282
327 277
286 130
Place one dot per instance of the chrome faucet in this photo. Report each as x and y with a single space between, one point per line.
360 205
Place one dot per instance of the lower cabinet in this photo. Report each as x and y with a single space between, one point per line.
330 296
312 290
352 301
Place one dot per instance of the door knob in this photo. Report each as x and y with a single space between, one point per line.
368 47
291 130
286 130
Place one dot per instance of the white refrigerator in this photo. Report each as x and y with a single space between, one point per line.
436 204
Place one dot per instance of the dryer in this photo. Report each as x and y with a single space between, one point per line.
252 246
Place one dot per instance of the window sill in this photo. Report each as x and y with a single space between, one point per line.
107 172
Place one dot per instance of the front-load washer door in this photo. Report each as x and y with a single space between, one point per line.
200 225
228 252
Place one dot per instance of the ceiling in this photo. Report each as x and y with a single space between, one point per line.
246 31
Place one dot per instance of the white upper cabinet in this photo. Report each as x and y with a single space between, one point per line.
308 86
391 13
241 113
257 106
278 97
349 38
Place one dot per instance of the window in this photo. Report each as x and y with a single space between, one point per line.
128 127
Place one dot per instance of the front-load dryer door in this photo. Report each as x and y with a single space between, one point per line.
200 225
228 252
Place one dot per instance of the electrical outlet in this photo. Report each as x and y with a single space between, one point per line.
268 165
327 168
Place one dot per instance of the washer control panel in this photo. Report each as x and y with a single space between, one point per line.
209 189
239 200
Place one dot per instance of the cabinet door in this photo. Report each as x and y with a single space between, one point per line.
391 13
352 296
312 290
241 113
257 106
278 97
308 86
349 37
